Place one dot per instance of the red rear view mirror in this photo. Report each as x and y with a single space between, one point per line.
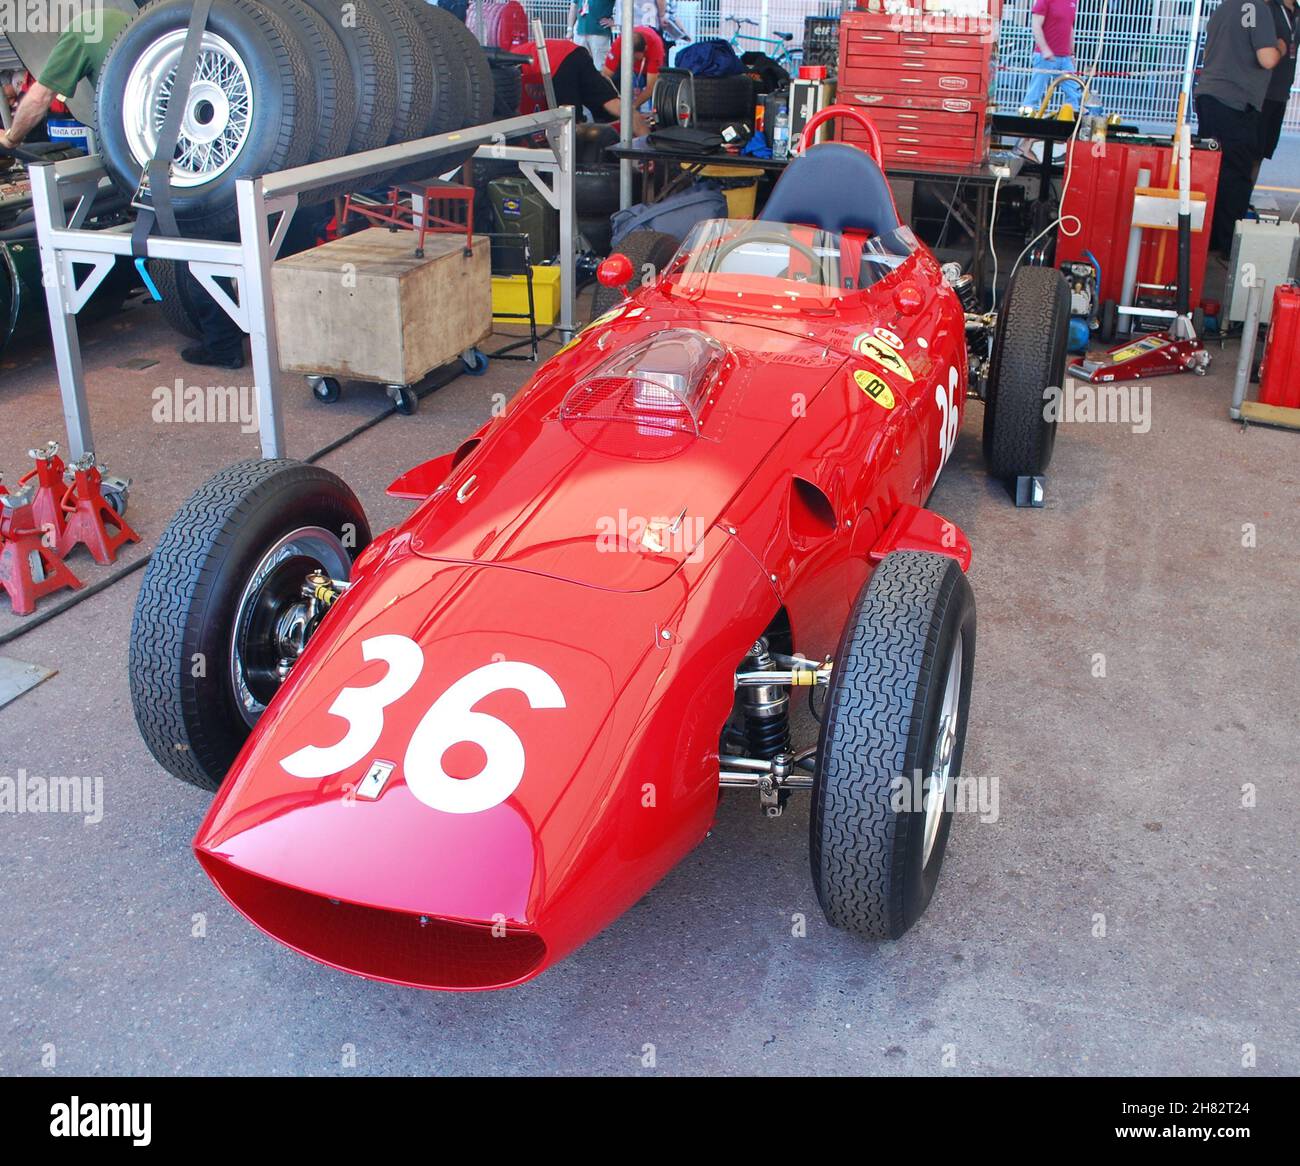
616 271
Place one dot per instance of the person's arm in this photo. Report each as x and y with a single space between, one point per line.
663 12
1040 41
31 111
1262 32
573 18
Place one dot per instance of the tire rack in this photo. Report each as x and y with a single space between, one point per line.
64 242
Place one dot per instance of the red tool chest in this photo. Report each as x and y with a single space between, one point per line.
926 79
1100 195
1279 378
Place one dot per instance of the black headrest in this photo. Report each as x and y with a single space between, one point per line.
836 187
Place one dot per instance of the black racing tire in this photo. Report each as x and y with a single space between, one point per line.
479 91
508 90
280 132
369 48
722 99
448 87
641 247
1109 321
414 71
884 722
591 139
177 308
596 231
595 189
194 591
336 101
1028 363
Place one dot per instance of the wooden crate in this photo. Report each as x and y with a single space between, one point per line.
365 308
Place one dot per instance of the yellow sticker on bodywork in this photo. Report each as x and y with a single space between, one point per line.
888 358
603 318
875 388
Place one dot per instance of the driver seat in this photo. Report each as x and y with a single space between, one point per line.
834 187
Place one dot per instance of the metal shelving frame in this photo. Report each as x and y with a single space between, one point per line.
65 242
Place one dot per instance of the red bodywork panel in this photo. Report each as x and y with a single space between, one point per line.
506 731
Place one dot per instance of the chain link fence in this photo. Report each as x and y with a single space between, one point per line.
1139 72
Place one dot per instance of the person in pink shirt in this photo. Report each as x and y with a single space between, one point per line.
1052 24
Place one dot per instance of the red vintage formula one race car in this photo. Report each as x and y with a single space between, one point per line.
449 755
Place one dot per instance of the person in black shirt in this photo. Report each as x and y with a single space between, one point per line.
1241 50
1287 19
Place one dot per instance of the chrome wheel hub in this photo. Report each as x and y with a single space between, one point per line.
945 746
270 624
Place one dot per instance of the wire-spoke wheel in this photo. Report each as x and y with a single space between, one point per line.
218 110
251 108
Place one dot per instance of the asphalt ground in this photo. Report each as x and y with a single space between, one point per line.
1127 907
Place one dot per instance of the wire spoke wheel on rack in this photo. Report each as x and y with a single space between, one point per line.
218 110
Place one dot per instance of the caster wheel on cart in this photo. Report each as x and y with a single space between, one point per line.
405 400
326 389
475 362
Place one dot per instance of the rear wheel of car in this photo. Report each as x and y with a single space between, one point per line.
895 720
208 634
250 109
648 251
1027 365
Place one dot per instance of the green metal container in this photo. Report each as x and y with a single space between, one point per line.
519 209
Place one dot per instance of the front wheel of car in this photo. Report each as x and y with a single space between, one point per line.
891 745
218 621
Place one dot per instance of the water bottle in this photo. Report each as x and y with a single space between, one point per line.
781 134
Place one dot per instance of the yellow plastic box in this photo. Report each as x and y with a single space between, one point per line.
510 295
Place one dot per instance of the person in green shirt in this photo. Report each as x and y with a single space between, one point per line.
591 24
79 53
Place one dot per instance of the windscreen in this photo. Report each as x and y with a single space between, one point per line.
723 257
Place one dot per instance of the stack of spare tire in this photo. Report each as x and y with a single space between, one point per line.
280 83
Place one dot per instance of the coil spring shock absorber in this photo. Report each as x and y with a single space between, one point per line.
766 707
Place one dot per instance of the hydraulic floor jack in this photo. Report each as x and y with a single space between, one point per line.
1179 349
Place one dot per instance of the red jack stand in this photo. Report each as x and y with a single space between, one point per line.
91 519
28 568
49 488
